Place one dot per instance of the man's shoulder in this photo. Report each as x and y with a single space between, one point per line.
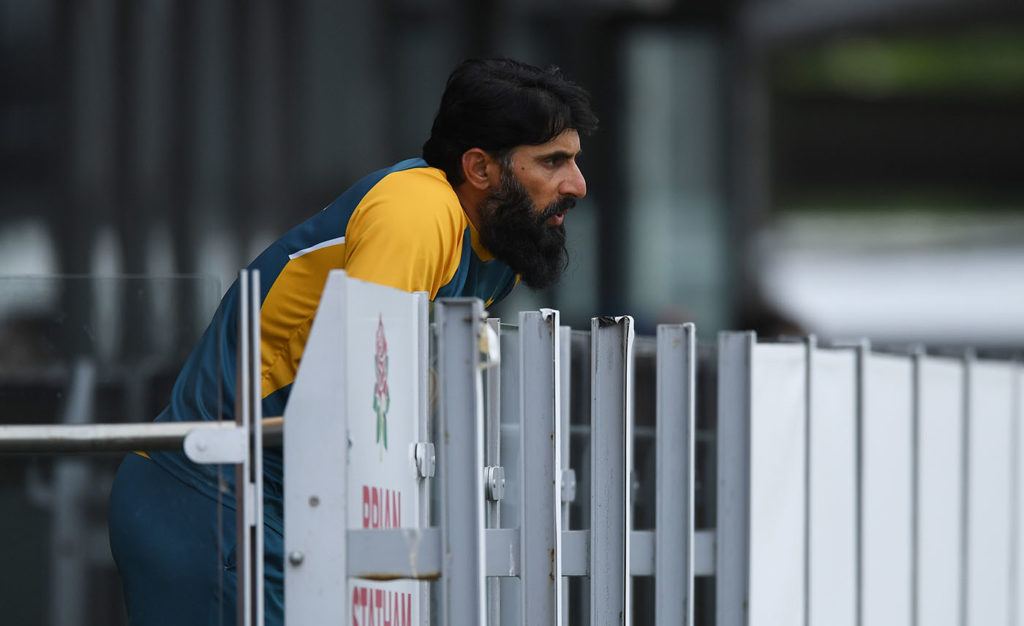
414 193
392 192
415 179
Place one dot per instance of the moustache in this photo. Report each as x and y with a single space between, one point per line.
557 207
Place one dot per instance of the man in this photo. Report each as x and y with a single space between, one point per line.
482 209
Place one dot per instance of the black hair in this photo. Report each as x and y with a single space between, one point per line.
498 104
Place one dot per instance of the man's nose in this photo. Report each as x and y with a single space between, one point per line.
574 184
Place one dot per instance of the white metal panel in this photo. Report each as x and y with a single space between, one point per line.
364 346
886 490
314 426
778 484
939 495
832 489
989 422
382 401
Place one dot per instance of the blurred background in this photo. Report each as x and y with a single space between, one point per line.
842 167
846 168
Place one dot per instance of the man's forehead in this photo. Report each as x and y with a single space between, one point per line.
568 141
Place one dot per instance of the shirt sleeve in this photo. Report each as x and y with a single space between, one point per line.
406 233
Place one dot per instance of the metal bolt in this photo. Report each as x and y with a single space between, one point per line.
494 482
296 558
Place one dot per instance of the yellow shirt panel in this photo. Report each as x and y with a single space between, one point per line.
288 310
407 232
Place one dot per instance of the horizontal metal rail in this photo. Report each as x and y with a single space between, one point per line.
410 553
93 438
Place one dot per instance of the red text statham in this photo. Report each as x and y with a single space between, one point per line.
381 607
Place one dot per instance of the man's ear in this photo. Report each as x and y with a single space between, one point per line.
479 168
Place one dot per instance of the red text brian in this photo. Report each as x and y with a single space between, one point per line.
382 508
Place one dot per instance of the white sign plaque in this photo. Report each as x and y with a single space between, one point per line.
363 366
383 422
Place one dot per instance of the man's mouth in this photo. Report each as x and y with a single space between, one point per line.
556 212
556 219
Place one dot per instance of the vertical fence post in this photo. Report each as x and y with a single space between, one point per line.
810 347
424 433
1017 500
733 495
568 491
916 357
461 440
540 451
581 346
492 458
611 416
511 463
674 526
249 473
863 349
965 457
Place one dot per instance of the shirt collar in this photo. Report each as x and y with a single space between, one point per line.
478 247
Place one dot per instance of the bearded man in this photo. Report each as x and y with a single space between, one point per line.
481 210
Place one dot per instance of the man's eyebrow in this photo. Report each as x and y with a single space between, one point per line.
560 154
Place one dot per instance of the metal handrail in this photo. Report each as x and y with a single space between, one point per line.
93 438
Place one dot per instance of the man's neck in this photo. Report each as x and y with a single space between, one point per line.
470 198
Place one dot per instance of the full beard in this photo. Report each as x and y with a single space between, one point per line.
513 230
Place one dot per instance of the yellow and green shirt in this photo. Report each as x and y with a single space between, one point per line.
402 226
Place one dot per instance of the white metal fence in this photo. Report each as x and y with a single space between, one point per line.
862 487
848 486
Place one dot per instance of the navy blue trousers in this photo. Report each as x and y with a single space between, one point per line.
175 551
